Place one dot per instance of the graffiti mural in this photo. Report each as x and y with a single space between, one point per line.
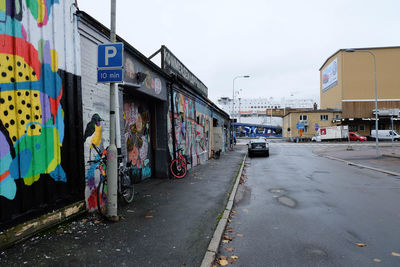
93 137
191 132
33 67
137 138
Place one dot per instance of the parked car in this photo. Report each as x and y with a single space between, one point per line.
356 137
258 147
385 135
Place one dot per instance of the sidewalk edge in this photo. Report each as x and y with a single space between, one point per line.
212 249
363 166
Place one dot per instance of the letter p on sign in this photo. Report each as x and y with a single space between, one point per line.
110 55
111 51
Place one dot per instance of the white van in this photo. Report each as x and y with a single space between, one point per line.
385 135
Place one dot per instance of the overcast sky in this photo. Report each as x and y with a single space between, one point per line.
280 44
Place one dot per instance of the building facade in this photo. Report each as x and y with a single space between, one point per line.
347 82
41 155
311 120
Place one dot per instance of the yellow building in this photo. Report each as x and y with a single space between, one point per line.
347 83
311 119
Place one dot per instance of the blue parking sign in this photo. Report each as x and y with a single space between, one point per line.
110 55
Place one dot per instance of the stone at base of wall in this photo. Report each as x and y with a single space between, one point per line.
25 230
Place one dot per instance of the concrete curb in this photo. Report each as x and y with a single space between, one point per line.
212 250
391 155
363 166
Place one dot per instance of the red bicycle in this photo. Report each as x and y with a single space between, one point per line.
178 166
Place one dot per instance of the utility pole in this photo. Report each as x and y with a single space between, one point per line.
112 153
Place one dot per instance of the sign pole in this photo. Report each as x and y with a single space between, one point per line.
112 153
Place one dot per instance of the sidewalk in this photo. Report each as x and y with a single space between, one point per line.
170 223
366 156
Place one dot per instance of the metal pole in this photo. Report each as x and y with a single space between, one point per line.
376 107
112 153
233 97
233 93
391 118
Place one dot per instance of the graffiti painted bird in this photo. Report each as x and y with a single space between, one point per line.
93 128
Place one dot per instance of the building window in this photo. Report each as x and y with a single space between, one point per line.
303 117
337 116
305 129
352 128
324 117
362 127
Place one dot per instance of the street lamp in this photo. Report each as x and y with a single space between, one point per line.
233 92
376 96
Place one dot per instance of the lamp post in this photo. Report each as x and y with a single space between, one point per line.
376 96
233 93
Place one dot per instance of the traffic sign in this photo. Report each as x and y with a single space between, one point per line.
110 55
300 125
109 76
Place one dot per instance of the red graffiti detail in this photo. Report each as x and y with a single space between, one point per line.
92 199
54 105
19 47
4 175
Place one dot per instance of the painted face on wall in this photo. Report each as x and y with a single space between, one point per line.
133 155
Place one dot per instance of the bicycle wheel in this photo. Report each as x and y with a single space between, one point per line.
102 197
127 188
178 169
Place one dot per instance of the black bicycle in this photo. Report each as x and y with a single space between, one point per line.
125 180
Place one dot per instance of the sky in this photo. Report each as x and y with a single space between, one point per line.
280 44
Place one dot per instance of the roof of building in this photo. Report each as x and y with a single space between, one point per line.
316 111
365 48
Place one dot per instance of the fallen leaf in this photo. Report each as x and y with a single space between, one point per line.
234 211
229 249
97 221
229 220
223 257
223 262
245 210
396 254
234 257
239 235
84 220
225 241
191 183
361 245
149 217
377 260
230 238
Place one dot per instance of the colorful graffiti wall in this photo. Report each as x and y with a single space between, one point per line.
137 138
191 131
39 100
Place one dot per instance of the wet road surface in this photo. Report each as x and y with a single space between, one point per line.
299 209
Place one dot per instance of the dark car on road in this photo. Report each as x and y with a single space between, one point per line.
258 147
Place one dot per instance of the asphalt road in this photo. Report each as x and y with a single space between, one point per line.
299 209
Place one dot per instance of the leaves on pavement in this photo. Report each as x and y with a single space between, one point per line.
223 262
229 249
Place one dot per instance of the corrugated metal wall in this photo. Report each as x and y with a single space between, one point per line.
41 148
